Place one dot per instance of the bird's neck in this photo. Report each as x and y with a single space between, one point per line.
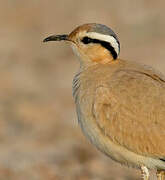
98 55
92 56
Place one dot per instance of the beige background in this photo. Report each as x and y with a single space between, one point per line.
39 135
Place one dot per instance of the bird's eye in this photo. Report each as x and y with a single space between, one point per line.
86 40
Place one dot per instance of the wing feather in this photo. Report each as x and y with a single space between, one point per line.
130 110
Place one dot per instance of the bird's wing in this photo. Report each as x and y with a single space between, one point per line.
130 110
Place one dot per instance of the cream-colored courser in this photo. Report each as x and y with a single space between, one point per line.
120 104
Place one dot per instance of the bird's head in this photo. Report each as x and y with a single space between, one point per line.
94 43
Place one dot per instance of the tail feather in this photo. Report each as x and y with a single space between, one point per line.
162 159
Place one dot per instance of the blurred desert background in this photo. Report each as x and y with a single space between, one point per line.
39 135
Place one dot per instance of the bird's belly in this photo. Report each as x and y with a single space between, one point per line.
113 150
93 133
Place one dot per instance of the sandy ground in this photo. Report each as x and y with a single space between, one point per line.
39 135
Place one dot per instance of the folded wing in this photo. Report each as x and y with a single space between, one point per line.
130 110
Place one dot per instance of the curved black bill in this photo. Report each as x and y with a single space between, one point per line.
56 38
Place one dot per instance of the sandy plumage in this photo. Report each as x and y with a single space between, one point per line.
120 104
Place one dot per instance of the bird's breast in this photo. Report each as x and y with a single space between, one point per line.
84 94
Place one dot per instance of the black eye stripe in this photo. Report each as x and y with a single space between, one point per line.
86 40
107 45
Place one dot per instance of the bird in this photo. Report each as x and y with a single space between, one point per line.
120 104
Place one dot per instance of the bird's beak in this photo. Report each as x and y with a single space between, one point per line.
56 38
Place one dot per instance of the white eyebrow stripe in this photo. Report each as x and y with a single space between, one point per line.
112 40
